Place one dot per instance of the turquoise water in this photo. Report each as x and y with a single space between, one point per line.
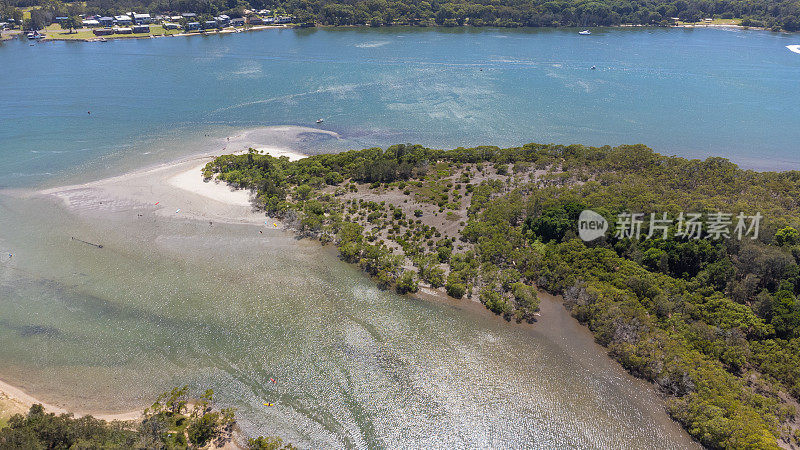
691 92
172 301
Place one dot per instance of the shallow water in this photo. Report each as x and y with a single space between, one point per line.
172 301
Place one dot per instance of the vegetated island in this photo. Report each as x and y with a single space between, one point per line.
174 422
713 323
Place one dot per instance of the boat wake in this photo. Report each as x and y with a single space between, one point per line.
794 48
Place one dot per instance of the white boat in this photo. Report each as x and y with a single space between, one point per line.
585 32
320 121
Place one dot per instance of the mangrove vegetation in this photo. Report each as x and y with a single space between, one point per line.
712 319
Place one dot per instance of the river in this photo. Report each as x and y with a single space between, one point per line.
177 301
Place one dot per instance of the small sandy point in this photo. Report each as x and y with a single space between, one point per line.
18 401
175 190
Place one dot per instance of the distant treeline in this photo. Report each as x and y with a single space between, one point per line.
774 14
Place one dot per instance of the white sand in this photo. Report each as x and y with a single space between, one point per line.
175 191
278 152
27 400
170 190
192 181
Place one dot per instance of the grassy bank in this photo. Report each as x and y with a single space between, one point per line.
56 33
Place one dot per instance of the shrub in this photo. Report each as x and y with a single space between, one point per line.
407 282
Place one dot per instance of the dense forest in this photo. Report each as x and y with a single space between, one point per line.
712 321
774 14
173 422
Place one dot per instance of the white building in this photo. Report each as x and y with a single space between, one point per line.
141 19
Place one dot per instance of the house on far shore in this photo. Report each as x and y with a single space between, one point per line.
170 26
103 31
123 30
255 21
123 20
141 28
209 24
142 19
189 15
192 26
238 22
61 20
91 23
106 21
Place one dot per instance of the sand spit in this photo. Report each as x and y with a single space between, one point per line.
177 189
170 191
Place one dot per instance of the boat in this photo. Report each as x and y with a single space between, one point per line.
320 121
585 32
593 67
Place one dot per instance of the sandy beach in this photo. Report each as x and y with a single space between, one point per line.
169 191
14 400
177 189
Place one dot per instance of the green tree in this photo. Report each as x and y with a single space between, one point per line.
434 275
268 443
73 22
203 429
407 282
787 236
455 286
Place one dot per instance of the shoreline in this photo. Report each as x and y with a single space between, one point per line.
59 37
184 174
48 38
177 188
25 400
